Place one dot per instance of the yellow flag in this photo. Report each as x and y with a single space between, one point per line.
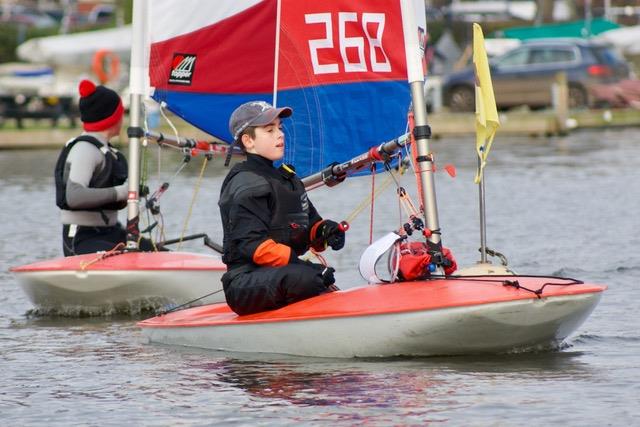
487 121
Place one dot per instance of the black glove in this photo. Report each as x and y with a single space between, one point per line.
331 233
327 276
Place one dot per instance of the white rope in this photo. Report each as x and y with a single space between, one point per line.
175 132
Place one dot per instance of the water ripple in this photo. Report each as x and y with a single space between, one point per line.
546 204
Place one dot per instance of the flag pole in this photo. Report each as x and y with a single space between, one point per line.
483 218
487 123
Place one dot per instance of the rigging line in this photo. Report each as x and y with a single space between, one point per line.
404 199
144 180
148 224
319 257
160 235
276 62
144 173
400 216
513 282
182 166
116 250
159 162
175 131
388 169
484 278
145 122
408 205
368 199
169 122
373 193
193 200
181 306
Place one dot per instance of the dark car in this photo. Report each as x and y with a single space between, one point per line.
524 75
18 14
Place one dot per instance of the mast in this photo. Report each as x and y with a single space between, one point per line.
422 131
134 132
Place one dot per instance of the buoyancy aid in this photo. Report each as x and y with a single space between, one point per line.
114 173
290 218
288 203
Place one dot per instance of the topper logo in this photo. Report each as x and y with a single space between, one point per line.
358 43
182 68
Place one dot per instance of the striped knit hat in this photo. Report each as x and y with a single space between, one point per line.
100 107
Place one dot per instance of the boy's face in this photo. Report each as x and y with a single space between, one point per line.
268 143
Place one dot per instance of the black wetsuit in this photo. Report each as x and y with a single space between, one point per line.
257 203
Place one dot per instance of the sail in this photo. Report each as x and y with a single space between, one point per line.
339 64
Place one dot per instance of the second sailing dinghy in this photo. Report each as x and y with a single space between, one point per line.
125 280
343 66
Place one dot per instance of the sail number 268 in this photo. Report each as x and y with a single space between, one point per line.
379 63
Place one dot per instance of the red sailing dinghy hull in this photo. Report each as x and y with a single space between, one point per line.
437 317
123 283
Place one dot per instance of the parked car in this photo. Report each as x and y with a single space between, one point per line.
524 75
18 14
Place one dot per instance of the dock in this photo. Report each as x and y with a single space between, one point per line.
543 123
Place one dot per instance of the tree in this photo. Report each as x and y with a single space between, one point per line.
544 12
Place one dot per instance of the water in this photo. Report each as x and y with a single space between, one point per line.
564 206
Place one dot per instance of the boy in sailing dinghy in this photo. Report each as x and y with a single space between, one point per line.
268 220
91 176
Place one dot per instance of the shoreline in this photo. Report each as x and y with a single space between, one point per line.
526 123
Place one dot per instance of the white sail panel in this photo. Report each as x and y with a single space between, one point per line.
171 18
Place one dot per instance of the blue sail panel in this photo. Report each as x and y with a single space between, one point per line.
334 123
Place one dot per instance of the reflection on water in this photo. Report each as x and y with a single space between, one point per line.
563 206
421 389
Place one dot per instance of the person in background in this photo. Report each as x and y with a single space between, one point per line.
91 175
268 220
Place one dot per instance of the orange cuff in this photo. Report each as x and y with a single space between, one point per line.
318 246
314 229
272 254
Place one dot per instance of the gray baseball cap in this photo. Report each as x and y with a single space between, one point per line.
254 113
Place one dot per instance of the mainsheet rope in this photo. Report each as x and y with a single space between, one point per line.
116 250
196 189
184 305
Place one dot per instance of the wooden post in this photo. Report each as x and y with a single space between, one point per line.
560 96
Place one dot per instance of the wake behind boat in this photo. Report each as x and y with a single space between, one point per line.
449 316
